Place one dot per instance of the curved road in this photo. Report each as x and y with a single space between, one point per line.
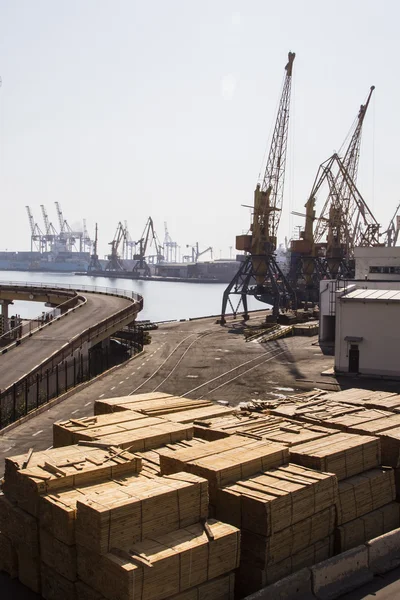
22 359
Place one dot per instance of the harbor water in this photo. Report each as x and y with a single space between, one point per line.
163 300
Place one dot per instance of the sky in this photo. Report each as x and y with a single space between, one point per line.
124 109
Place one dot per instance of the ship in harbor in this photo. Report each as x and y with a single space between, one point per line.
56 262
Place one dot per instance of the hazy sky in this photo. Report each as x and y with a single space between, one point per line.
120 109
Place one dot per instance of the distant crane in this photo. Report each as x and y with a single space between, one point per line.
196 253
50 233
148 238
259 274
87 242
37 237
114 260
170 247
128 244
94 264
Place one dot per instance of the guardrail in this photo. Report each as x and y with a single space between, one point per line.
62 370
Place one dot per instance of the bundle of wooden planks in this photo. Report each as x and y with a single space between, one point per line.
155 404
163 566
29 476
260 426
137 434
286 516
225 461
344 454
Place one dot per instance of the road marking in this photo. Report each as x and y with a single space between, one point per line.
7 449
217 359
113 388
192 376
49 448
139 367
127 377
37 433
75 411
121 382
101 396
90 402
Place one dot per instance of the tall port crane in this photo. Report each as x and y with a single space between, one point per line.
114 260
37 236
345 219
94 264
392 232
259 275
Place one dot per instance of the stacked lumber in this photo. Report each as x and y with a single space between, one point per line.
164 566
366 507
287 519
64 431
320 410
225 461
28 477
220 588
155 404
137 434
344 454
368 526
259 426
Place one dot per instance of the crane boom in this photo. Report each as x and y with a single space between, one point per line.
269 196
259 275
342 198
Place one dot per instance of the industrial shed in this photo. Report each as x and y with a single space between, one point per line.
368 332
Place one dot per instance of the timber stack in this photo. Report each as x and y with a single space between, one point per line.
159 497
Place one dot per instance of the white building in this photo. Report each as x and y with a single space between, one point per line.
368 331
377 263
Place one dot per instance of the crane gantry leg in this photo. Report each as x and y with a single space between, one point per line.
259 276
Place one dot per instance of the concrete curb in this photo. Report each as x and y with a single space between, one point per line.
338 575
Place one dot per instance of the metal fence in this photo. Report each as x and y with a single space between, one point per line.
69 367
36 390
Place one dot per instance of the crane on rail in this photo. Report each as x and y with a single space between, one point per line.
114 260
259 274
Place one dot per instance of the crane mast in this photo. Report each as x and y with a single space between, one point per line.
340 193
259 274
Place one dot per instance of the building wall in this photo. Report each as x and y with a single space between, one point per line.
378 323
383 262
330 289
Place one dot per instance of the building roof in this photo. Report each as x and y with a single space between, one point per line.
369 295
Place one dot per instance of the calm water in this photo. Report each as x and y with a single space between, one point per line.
163 301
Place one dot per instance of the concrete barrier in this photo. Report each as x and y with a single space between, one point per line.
384 552
341 574
297 585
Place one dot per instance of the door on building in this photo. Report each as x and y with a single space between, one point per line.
354 358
